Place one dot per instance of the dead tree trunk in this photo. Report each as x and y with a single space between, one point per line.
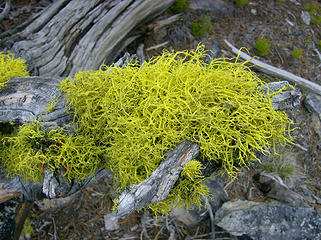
75 35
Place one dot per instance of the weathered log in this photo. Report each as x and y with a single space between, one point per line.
75 35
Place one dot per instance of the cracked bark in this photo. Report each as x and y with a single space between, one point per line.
76 35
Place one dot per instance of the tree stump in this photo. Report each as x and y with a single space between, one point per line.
76 35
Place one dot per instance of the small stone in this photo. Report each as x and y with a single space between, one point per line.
111 223
312 103
253 11
306 18
212 53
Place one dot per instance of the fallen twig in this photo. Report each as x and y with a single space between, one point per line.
6 10
210 212
170 229
157 46
302 82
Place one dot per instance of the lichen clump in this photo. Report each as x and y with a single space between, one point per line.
128 118
28 152
11 67
139 112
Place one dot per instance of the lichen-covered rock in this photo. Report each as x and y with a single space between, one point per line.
290 98
264 221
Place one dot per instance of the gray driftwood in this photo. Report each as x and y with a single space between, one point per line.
266 68
75 35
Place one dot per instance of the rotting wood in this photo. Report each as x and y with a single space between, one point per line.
277 72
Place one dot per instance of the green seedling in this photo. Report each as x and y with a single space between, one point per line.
298 52
199 28
262 47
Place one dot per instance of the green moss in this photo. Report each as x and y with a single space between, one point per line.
52 104
298 52
199 28
11 67
314 9
240 3
262 47
128 118
27 228
180 6
316 19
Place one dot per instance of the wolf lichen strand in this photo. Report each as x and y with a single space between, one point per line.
33 149
141 112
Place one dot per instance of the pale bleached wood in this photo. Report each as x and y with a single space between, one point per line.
76 35
277 72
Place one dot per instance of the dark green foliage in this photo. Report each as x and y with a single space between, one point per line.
319 45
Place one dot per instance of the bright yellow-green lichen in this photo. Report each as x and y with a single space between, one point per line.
10 67
139 112
128 118
31 149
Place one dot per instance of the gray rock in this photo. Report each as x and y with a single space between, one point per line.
212 53
288 99
269 221
306 18
313 104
